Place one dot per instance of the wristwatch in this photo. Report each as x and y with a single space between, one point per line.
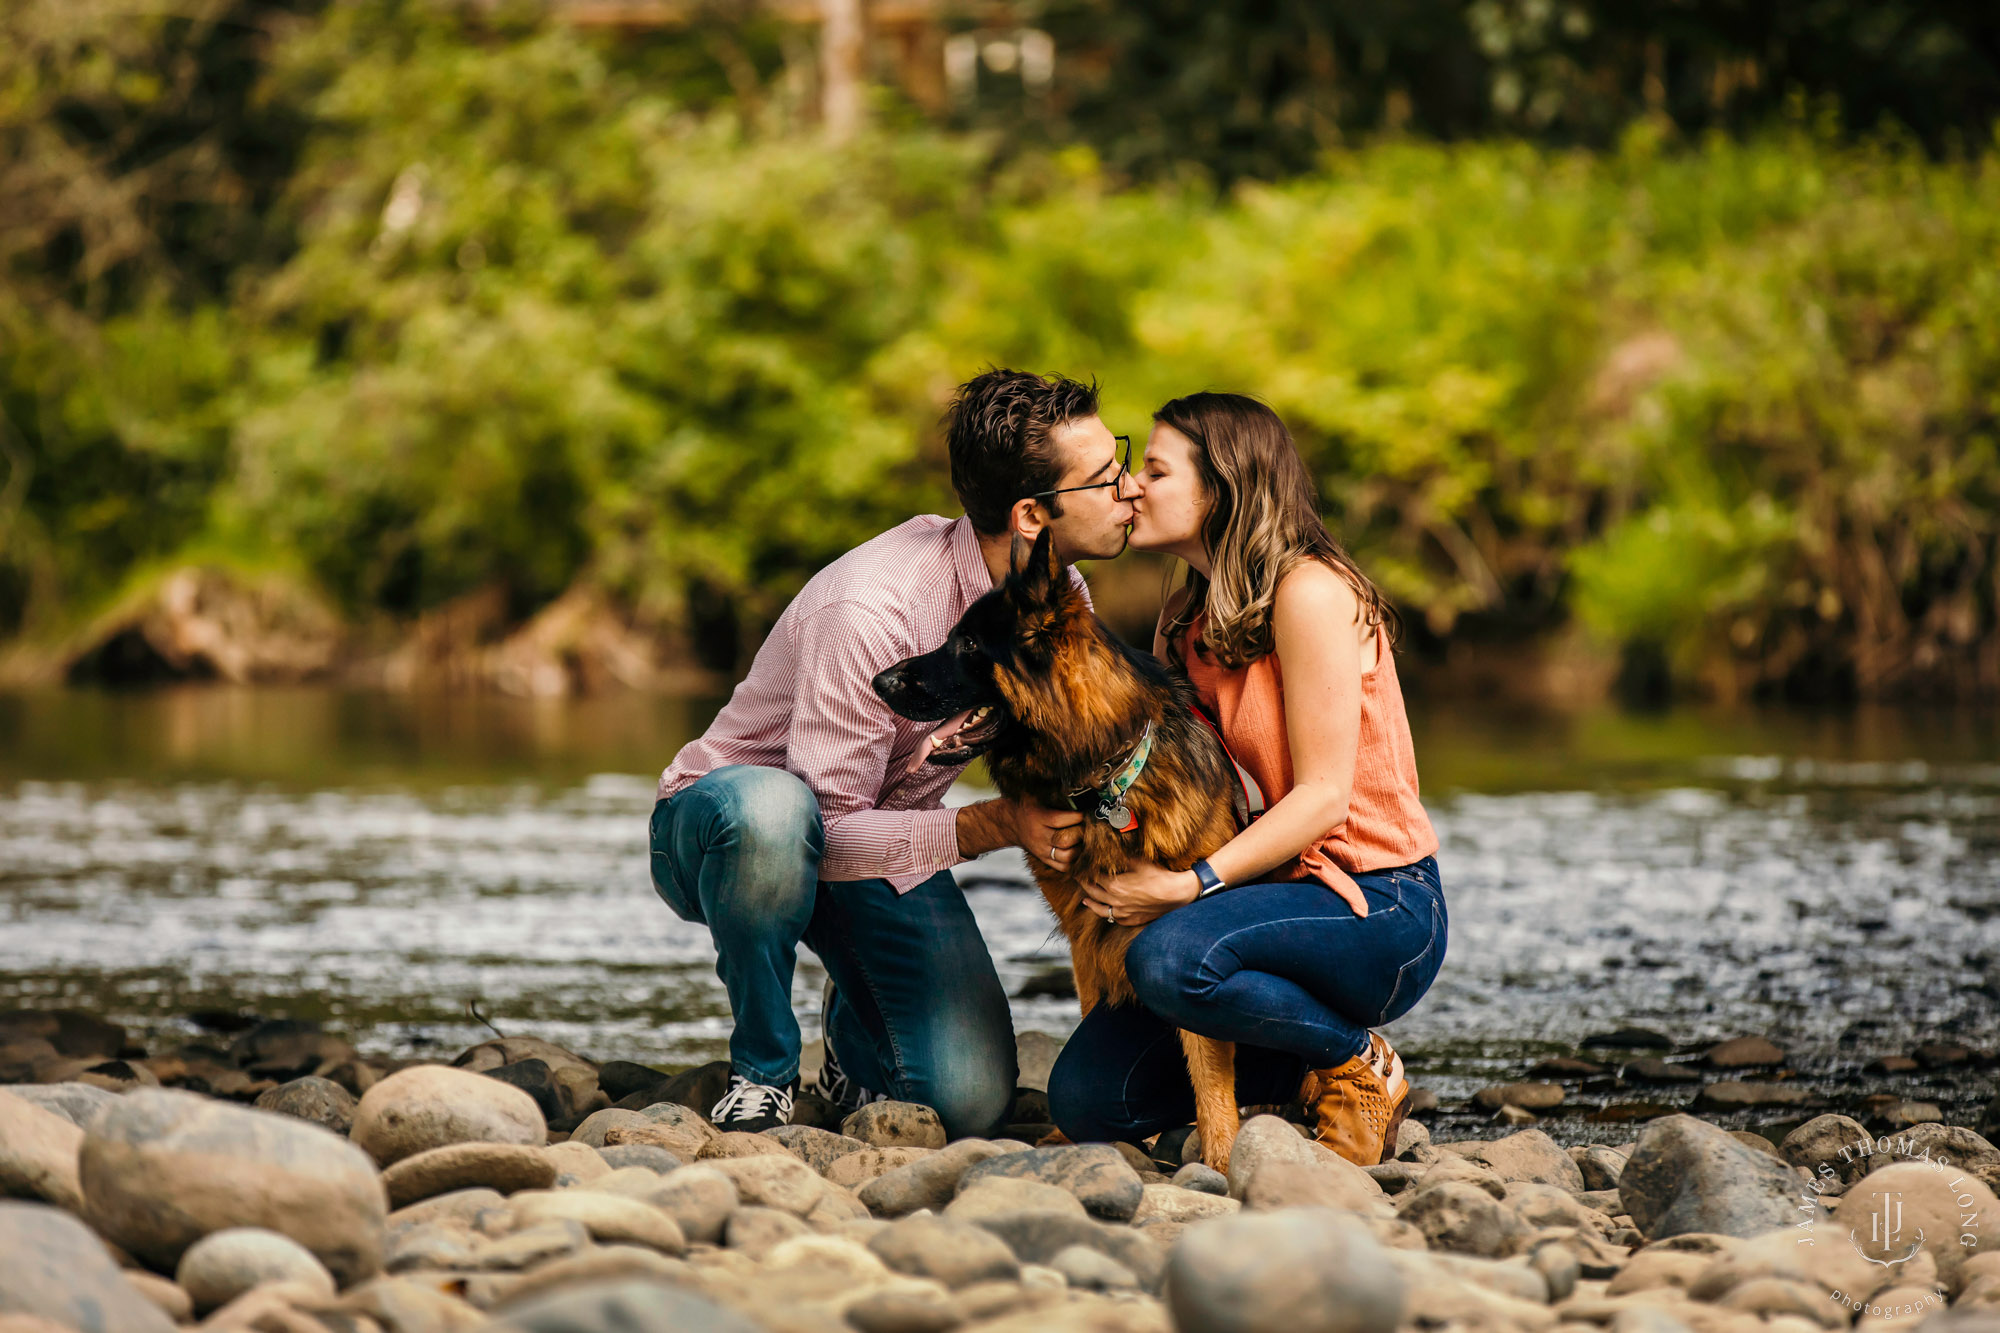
1210 881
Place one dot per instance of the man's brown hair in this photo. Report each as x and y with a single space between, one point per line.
997 432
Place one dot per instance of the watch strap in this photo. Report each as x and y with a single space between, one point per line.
1210 881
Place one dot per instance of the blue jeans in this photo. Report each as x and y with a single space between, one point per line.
1286 971
919 1011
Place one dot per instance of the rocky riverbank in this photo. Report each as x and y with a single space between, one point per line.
282 1182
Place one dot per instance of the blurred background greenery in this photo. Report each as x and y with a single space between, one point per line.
1636 346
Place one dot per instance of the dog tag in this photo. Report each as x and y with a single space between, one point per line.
1120 817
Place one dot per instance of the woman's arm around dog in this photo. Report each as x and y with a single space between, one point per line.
1318 636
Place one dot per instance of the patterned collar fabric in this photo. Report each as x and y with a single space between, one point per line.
1110 797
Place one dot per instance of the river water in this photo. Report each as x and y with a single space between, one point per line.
379 863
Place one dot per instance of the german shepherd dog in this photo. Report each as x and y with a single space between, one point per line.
1062 709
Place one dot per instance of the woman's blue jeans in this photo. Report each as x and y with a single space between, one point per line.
1286 971
919 1011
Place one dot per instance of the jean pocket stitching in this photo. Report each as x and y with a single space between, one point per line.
1403 972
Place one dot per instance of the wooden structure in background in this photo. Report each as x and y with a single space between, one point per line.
934 46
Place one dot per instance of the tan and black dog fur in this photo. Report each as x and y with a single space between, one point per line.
1031 679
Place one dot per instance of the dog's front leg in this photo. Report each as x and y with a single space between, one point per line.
1212 1067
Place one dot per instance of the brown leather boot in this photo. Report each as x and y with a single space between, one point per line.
1361 1104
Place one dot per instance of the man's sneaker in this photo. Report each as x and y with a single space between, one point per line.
751 1108
838 1086
1360 1105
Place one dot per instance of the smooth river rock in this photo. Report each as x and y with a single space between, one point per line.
817 1148
609 1218
161 1169
632 1305
953 1252
38 1150
432 1106
1458 1216
1038 1237
74 1102
1742 1053
52 1267
1268 1138
1097 1174
895 1125
700 1199
1202 1177
1948 1210
1528 1155
621 1155
1004 1194
928 1182
1303 1270
666 1125
223 1265
1337 1183
319 1100
1527 1096
1830 1146
505 1167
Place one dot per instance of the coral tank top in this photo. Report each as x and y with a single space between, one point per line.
1386 824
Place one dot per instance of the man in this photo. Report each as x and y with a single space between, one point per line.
808 812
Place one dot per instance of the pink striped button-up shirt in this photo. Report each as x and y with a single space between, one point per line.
807 705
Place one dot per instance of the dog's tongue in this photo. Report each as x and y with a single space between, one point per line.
948 728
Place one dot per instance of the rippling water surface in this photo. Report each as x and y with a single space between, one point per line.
1828 882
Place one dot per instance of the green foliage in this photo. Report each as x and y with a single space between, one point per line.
522 317
543 320
1259 89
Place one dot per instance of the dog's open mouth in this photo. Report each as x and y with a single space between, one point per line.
962 736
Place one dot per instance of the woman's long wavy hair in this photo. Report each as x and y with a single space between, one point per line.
1263 522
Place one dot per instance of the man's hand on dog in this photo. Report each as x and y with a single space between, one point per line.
1050 836
1144 892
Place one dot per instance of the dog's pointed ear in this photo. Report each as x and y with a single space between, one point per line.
1040 572
1017 555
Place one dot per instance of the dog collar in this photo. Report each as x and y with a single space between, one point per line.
1111 807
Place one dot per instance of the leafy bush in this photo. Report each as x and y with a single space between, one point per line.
522 320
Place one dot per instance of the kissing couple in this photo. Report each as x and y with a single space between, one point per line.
811 811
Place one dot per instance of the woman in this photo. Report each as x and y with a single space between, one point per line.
1330 917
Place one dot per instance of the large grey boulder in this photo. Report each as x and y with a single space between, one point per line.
162 1169
1686 1175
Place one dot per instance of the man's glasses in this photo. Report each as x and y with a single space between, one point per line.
1124 471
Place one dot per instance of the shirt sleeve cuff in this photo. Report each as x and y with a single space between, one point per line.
933 846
